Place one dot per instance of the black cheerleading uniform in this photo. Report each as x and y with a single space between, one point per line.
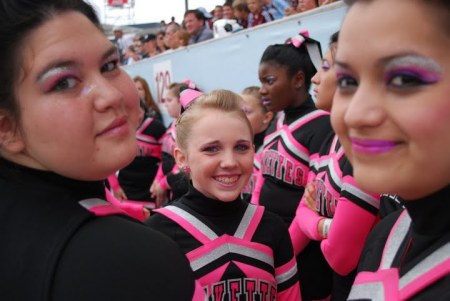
137 177
407 255
54 249
297 134
289 145
235 248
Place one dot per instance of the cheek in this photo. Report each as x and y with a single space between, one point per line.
337 116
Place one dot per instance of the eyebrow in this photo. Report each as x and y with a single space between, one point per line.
401 59
71 63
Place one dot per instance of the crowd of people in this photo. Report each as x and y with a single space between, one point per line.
199 25
267 193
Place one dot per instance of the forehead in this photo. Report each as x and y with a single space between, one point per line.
216 123
387 28
63 37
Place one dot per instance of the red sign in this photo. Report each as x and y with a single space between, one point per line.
117 2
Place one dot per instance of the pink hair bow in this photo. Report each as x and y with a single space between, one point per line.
187 96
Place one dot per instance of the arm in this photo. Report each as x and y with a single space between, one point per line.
355 216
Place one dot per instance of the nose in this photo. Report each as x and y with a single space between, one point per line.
106 94
366 107
228 159
316 78
263 90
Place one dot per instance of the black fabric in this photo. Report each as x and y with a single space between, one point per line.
224 218
430 230
53 249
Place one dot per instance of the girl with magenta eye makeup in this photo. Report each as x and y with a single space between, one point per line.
68 116
333 204
391 112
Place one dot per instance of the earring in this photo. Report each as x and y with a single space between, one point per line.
186 169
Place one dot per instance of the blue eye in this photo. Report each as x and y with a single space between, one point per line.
210 149
110 66
65 83
241 147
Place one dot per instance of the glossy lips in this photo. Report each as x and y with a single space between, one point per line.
372 146
119 126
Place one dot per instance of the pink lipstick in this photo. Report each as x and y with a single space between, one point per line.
372 146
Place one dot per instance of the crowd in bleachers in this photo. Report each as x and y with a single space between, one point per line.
199 25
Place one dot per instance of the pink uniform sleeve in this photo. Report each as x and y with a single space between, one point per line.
113 182
349 230
298 237
308 221
257 189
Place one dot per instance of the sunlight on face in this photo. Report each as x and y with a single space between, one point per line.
392 106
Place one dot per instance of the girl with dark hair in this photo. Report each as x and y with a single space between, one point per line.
334 210
291 141
68 116
391 111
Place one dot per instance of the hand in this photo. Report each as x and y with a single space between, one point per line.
309 197
158 193
119 194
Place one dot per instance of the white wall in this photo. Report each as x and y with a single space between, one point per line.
231 62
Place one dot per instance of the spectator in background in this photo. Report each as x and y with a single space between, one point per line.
169 37
276 8
182 37
149 45
122 42
305 5
292 9
241 11
130 56
228 12
138 47
152 109
218 13
194 21
160 42
258 15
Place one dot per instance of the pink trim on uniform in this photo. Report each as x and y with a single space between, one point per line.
386 284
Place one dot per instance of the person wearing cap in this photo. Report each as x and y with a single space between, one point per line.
194 21
149 45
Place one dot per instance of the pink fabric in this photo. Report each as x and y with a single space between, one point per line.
199 292
298 238
389 278
425 280
254 224
113 182
185 224
134 210
347 236
188 96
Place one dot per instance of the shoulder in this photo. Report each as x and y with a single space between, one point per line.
373 249
113 258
